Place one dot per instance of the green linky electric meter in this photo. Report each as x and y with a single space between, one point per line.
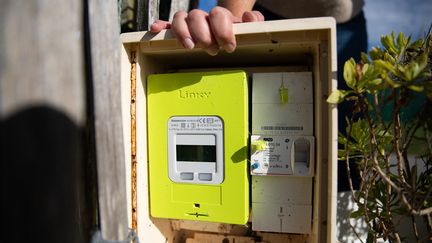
197 146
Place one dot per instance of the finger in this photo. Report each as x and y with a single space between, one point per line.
181 30
221 24
252 16
199 28
159 25
259 15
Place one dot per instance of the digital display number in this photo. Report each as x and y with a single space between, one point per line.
196 153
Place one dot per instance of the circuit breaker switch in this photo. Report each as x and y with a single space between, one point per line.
302 156
283 94
258 145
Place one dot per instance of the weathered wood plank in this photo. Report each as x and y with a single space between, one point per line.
128 15
213 238
105 61
41 61
178 5
147 13
43 119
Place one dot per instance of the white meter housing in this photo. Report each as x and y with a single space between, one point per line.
195 149
283 152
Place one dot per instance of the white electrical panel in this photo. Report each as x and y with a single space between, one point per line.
282 152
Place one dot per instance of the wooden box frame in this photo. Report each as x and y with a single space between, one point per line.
285 45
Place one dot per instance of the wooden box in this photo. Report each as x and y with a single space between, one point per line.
272 46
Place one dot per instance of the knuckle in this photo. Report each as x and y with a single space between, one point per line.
196 13
224 36
259 15
205 41
217 11
178 31
180 14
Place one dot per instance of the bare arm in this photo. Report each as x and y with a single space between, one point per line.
237 7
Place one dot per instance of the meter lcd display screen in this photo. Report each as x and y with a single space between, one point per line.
196 153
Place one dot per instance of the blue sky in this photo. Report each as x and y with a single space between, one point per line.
206 4
413 17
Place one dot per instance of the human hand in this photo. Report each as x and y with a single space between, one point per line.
210 31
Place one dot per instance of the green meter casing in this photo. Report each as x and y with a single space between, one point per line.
198 146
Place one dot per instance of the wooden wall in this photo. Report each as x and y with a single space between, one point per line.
60 113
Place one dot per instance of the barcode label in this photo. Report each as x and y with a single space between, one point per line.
282 128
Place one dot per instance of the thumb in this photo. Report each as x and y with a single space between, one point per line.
159 25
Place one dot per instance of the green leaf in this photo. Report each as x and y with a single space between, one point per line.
417 44
365 68
365 58
336 97
422 60
352 98
392 83
401 40
408 40
376 53
402 43
370 237
359 132
384 65
389 58
375 85
357 214
416 88
388 43
411 71
376 81
349 73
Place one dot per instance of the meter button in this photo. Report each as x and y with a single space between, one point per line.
205 176
186 176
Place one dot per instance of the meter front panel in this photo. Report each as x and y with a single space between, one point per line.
195 149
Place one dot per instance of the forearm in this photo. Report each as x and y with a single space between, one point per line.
237 7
